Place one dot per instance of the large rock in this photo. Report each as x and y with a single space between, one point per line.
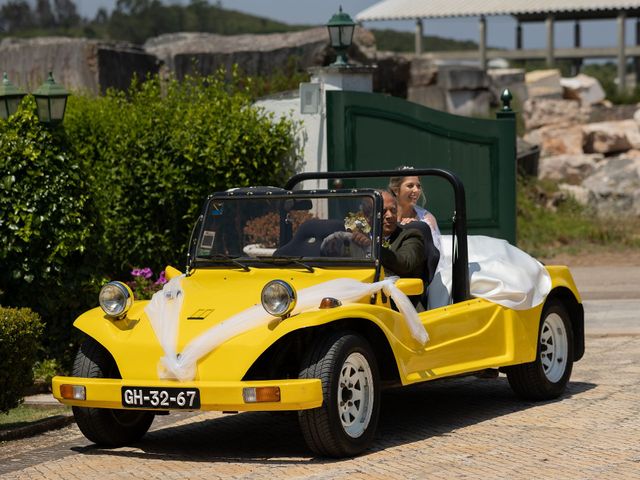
615 187
454 89
566 139
544 83
539 112
611 137
462 78
511 78
570 169
583 88
256 55
79 64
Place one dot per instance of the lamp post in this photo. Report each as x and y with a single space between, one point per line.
341 28
51 101
10 97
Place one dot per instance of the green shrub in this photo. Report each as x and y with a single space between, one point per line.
121 185
46 222
45 370
20 330
155 153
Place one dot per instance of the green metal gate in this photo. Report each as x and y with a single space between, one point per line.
368 131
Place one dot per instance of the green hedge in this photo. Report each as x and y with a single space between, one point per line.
46 225
155 154
20 330
120 185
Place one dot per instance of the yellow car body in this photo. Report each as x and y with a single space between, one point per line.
327 361
466 337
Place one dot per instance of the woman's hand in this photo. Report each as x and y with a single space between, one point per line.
404 221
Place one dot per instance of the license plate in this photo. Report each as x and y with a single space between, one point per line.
161 398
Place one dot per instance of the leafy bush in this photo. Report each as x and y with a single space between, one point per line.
20 330
121 185
155 153
45 370
46 222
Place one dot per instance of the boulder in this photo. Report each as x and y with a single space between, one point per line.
615 187
187 53
423 72
511 78
611 137
79 64
570 169
462 78
587 90
538 112
469 103
564 139
544 83
580 194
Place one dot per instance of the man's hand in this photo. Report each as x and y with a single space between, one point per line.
360 239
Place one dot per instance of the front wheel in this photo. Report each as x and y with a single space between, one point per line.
547 377
346 422
105 426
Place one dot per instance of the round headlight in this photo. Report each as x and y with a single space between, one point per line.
116 299
278 298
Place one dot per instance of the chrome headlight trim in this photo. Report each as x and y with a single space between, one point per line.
279 298
116 298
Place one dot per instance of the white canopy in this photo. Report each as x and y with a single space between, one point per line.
408 9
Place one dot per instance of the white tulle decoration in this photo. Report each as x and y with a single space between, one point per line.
498 272
164 313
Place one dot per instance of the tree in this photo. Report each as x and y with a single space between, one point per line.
16 15
66 13
44 14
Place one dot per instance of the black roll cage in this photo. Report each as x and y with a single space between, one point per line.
460 257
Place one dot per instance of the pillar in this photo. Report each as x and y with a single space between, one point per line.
483 42
419 35
550 41
622 60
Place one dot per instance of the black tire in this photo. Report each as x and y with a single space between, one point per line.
342 427
105 426
547 377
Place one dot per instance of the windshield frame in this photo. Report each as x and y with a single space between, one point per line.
279 262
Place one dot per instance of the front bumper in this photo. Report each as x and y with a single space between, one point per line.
295 394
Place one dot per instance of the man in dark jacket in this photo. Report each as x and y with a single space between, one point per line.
402 252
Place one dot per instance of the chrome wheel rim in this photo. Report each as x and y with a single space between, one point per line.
355 395
554 347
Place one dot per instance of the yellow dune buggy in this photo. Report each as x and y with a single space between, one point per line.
265 317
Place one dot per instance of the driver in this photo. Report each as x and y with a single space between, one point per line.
402 251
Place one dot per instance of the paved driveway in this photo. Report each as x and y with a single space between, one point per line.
462 428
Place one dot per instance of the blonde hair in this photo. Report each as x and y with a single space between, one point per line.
396 182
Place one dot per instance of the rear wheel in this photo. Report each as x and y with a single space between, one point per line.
346 422
547 376
105 426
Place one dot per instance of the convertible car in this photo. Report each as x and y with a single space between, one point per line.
266 317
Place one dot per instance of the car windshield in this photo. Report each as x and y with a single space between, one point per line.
287 228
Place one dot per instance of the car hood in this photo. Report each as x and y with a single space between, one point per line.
211 296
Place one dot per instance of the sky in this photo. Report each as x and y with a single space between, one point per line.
500 29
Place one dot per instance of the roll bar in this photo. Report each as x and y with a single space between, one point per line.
460 256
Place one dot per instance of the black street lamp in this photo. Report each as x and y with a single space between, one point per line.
51 101
10 97
341 28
